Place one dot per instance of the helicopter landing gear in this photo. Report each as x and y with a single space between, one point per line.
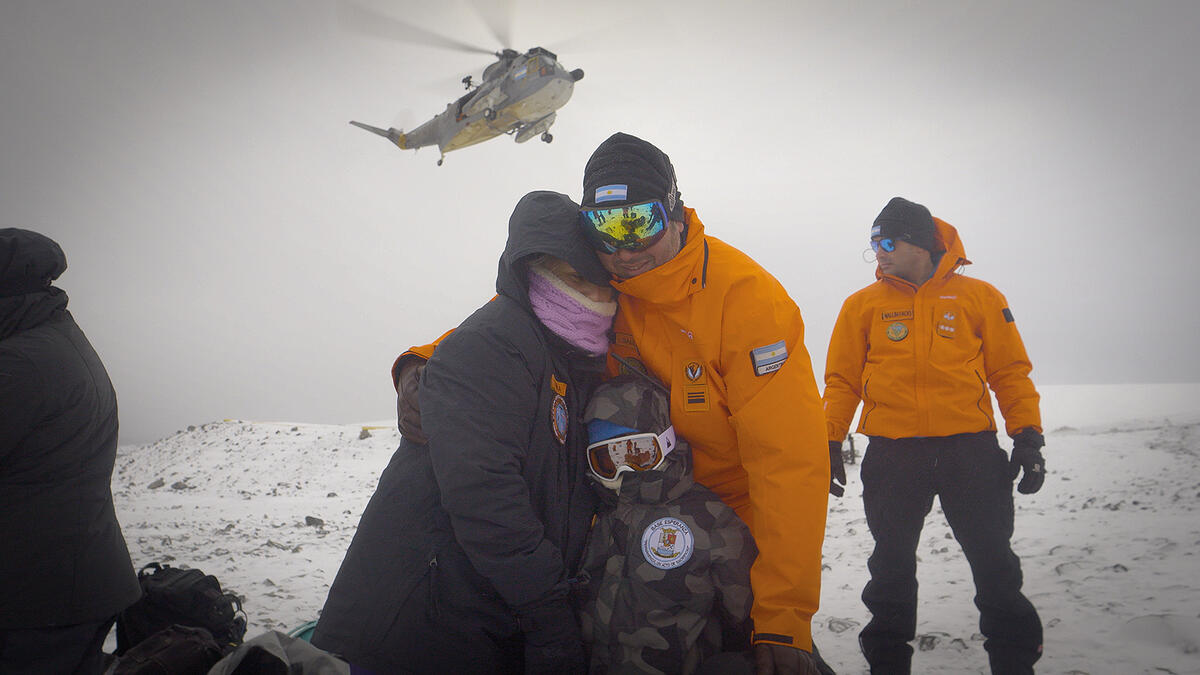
489 114
547 137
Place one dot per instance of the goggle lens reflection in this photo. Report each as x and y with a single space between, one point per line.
638 452
632 227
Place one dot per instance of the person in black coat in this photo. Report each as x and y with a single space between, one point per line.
65 571
465 557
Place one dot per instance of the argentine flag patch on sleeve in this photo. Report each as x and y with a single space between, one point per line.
769 358
611 193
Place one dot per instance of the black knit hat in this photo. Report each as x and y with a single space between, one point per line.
627 170
907 221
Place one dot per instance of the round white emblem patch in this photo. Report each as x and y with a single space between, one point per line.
667 543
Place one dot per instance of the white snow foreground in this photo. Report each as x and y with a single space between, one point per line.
1108 547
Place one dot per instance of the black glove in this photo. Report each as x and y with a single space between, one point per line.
553 644
837 469
1027 455
772 659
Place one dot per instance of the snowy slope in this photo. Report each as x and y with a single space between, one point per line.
1109 546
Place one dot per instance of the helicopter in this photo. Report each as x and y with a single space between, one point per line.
519 94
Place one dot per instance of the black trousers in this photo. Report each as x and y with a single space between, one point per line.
67 649
969 474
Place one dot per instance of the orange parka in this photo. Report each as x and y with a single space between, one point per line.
921 358
729 341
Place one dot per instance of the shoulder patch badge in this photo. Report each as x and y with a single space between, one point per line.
1008 317
897 332
559 419
667 543
559 388
768 358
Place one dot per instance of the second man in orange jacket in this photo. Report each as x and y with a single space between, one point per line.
919 348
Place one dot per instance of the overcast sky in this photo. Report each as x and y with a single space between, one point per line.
237 250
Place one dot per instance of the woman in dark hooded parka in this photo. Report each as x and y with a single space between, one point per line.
464 559
65 572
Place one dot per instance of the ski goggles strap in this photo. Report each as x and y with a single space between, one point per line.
632 227
636 452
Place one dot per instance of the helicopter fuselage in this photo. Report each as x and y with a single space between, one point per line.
519 95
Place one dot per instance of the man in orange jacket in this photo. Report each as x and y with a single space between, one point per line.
727 339
920 347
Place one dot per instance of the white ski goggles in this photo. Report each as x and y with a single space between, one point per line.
636 452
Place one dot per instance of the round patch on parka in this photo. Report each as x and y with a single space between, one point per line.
667 543
559 418
897 332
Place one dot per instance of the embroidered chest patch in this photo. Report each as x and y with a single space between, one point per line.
896 315
897 332
559 418
667 543
695 386
947 323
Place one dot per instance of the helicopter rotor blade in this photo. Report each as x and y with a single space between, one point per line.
497 14
605 35
591 41
372 23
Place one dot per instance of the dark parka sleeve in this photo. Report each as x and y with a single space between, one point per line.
480 398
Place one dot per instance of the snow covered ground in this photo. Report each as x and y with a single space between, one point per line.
1109 546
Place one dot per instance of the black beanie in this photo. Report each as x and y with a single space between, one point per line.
907 221
627 170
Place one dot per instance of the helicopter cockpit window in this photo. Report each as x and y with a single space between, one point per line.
495 70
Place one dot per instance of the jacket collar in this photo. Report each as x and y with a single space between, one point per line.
679 277
954 257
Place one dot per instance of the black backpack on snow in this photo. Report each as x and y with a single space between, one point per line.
187 597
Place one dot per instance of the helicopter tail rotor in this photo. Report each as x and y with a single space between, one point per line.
393 134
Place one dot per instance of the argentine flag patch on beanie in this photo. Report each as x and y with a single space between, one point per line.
611 193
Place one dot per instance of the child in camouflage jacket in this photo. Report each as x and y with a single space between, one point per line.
668 563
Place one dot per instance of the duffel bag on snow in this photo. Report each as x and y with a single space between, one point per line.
187 597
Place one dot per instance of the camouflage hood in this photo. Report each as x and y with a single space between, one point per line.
634 404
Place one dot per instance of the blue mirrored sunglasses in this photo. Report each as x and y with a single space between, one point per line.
888 244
